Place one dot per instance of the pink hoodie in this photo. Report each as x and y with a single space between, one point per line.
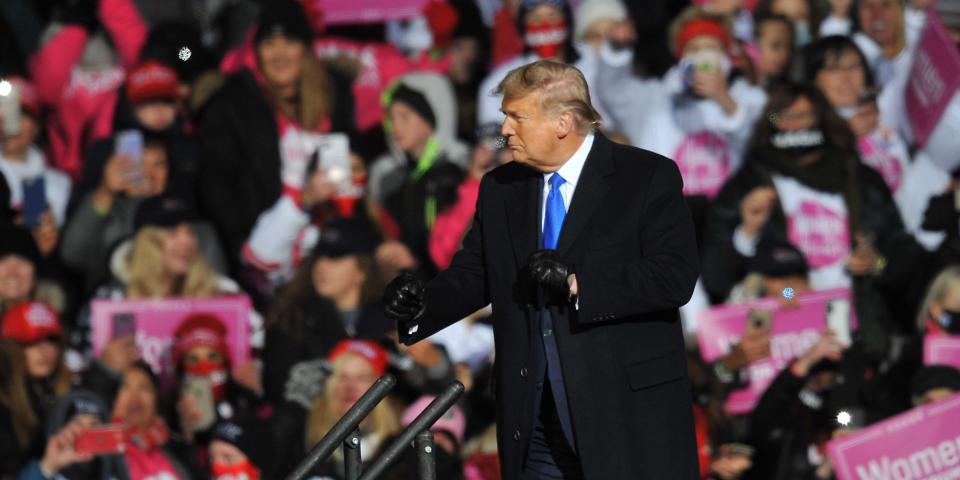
83 102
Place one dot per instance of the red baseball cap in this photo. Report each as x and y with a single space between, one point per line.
200 329
31 322
152 80
369 351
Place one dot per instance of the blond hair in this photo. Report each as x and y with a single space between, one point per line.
145 267
562 89
941 286
383 421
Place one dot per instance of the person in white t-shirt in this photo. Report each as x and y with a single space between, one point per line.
802 182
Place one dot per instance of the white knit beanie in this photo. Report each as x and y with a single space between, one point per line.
590 11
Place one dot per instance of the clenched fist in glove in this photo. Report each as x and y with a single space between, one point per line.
548 271
404 302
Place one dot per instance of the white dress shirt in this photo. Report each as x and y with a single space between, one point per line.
570 172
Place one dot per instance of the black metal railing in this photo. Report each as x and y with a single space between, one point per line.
345 433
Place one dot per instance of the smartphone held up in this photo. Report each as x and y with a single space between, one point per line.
102 440
130 144
9 108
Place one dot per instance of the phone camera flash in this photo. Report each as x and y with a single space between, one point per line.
843 418
5 88
788 293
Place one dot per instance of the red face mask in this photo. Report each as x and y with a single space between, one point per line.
215 371
240 471
546 38
346 202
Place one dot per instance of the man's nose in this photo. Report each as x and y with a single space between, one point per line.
506 130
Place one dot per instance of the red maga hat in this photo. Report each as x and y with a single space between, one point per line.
31 322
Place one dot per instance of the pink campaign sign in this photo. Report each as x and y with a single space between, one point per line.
941 350
156 320
921 444
704 162
934 78
368 11
792 332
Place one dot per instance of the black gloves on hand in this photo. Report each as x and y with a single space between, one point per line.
404 302
548 271
306 381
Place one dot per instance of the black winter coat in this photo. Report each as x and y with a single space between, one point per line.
239 175
630 239
724 266
319 329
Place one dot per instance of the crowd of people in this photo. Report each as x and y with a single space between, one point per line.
200 150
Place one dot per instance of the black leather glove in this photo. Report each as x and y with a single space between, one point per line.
404 302
548 271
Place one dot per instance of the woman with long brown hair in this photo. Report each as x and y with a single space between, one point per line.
256 130
333 296
803 182
32 375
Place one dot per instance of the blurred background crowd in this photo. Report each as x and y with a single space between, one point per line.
196 149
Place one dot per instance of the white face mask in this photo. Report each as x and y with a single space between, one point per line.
414 35
847 113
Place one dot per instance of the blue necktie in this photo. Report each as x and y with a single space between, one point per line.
553 218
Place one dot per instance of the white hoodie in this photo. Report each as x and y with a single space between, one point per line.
706 143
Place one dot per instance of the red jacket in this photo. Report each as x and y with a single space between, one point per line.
82 102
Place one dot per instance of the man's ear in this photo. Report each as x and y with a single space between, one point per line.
565 124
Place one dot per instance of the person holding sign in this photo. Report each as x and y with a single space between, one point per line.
836 66
162 260
802 183
795 412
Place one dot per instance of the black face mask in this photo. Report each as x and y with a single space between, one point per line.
949 321
798 142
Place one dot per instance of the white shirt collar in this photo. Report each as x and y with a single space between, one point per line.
570 171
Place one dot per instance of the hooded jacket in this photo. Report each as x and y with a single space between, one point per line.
83 99
415 199
386 172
